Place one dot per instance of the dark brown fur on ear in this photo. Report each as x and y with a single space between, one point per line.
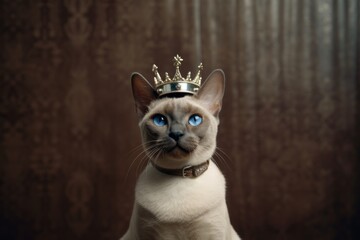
212 91
143 93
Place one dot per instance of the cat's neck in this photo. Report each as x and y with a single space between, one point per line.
188 171
160 192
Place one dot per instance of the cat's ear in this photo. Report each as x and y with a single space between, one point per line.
212 91
143 93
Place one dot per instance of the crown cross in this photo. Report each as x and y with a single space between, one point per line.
178 84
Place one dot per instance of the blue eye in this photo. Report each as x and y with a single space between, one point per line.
195 120
159 120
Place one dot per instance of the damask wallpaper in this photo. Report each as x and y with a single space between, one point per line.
289 132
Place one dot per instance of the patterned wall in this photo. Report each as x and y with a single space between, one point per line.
289 125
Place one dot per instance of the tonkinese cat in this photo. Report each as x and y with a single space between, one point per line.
181 193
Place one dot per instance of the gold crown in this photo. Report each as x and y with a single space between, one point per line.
178 84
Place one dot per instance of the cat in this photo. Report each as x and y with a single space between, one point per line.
179 132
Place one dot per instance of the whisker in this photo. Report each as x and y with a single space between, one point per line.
219 155
140 147
138 168
216 163
133 162
157 156
223 152
150 152
154 156
142 154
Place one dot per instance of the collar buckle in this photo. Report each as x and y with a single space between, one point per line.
184 170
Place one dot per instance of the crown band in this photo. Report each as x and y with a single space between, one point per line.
178 87
178 84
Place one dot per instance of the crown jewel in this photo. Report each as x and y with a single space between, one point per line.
178 84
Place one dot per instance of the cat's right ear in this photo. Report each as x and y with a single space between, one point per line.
212 91
143 93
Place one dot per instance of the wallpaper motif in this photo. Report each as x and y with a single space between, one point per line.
287 138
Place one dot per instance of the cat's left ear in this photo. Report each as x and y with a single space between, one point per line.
143 93
212 91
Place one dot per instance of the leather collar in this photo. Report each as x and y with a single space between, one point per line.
187 171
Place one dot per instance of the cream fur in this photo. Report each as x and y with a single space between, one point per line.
180 208
171 207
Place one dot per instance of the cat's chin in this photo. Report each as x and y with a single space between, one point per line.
178 152
180 149
174 157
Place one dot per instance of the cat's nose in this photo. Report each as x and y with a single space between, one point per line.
176 135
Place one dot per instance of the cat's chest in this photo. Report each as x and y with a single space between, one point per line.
174 199
193 231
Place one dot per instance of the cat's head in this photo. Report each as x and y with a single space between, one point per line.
179 131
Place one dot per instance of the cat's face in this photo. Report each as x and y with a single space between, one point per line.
179 131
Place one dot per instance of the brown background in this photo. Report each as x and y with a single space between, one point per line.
289 126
